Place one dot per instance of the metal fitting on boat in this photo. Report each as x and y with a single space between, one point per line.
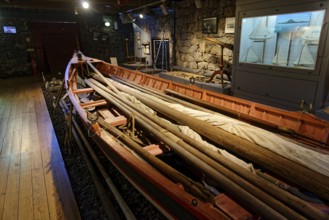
194 202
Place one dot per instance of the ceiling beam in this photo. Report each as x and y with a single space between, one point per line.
101 6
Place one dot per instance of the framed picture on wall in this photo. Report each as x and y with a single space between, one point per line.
138 37
9 29
105 36
96 35
229 25
209 25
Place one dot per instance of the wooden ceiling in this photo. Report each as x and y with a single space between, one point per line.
102 6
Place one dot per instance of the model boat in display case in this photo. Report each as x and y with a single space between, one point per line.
287 65
286 39
261 32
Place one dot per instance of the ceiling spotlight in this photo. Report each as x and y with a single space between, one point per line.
85 4
107 24
141 15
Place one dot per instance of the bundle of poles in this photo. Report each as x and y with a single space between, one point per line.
250 190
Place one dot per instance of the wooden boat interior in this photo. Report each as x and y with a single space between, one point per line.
303 125
179 192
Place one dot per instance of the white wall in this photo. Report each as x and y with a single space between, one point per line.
143 37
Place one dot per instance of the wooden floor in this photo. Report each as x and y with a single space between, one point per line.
33 179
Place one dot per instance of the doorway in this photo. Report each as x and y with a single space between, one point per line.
160 53
54 45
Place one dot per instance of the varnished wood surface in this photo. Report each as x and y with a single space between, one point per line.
33 179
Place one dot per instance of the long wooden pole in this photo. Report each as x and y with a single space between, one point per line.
290 170
195 188
232 187
101 76
240 115
159 94
105 200
122 203
271 189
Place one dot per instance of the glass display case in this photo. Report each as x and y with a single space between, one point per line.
289 40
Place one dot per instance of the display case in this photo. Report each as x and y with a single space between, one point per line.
290 39
281 53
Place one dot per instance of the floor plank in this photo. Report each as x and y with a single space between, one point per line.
33 179
10 208
16 142
9 129
63 180
25 211
55 205
5 109
25 133
4 167
40 202
4 121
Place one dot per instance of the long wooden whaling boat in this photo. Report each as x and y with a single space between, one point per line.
206 185
303 125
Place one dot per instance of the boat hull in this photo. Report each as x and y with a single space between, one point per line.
304 126
169 197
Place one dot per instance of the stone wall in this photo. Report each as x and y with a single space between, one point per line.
104 42
192 50
15 58
159 26
14 48
185 35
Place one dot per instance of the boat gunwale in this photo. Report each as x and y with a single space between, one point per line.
302 123
174 191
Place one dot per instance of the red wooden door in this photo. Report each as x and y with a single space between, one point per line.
54 44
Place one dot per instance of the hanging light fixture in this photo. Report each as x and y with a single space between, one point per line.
164 9
131 17
144 12
126 18
145 8
85 4
107 24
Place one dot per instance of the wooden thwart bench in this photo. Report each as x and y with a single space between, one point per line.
113 117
